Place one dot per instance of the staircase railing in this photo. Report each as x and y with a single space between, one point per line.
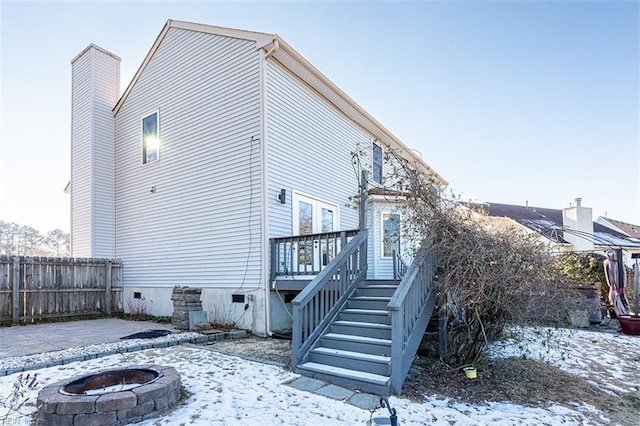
324 296
399 266
410 308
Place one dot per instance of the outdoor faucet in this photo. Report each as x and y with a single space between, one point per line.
393 419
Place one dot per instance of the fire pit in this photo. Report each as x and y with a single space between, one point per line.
110 397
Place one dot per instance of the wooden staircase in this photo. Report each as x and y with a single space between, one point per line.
362 333
356 349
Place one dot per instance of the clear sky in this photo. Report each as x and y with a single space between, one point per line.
511 102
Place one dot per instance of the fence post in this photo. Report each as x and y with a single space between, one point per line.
108 294
15 291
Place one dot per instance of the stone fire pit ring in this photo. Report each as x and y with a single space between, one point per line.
149 389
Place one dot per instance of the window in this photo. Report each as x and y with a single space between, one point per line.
150 139
377 164
390 234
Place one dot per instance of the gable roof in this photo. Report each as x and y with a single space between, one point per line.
549 224
626 228
276 48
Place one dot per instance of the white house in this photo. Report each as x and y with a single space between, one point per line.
223 140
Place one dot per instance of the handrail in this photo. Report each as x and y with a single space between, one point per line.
399 266
410 309
306 254
324 296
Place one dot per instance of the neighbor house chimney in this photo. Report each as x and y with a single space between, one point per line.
577 223
95 87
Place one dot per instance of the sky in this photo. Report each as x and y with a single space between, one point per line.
511 102
227 390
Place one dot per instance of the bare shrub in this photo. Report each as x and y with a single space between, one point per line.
223 317
17 398
490 275
138 308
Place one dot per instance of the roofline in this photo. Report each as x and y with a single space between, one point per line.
260 38
298 65
99 49
357 113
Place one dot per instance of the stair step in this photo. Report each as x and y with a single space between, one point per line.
358 339
379 316
353 360
376 291
381 282
359 328
360 324
376 312
352 355
368 302
345 373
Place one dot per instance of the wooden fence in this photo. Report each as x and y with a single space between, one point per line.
33 288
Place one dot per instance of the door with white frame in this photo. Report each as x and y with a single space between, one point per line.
313 216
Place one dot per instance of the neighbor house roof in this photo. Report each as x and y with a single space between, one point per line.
275 47
548 223
626 228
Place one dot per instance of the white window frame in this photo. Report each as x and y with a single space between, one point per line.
143 150
399 247
317 204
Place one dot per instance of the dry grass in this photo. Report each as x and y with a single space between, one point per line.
519 381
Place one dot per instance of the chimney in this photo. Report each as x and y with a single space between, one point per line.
577 223
95 87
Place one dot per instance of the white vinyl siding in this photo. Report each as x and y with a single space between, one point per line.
309 150
201 226
81 156
95 88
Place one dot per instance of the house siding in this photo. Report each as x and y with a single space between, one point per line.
309 150
201 226
95 87
106 87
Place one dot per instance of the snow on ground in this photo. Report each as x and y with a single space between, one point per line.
609 360
227 390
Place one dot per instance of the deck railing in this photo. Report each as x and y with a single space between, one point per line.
324 296
410 309
306 254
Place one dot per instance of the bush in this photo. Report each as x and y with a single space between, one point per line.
492 275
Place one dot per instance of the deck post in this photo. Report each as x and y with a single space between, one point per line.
107 288
363 199
397 346
15 291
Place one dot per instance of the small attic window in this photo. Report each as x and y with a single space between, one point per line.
376 164
150 139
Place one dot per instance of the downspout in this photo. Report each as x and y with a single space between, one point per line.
265 188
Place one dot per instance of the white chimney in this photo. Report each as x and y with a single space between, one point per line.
577 223
95 87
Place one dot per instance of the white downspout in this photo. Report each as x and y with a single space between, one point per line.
265 194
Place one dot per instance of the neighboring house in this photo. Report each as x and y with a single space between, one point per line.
224 141
630 230
564 230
